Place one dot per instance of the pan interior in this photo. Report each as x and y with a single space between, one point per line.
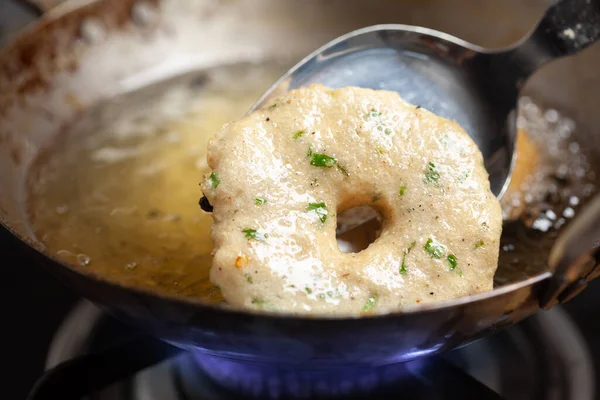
117 193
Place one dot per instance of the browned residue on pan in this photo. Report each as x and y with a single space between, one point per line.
30 63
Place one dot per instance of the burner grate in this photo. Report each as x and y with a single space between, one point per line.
542 358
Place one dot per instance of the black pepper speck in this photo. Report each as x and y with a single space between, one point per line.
205 204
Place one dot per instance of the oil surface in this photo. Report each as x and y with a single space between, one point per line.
122 199
118 193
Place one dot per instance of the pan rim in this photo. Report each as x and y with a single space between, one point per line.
199 303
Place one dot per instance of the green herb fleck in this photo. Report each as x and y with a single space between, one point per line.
463 176
249 233
308 290
260 201
259 302
479 244
214 180
403 267
434 248
298 134
373 114
452 261
322 160
272 106
388 131
458 271
343 170
402 190
254 234
309 152
432 176
320 209
370 303
262 304
328 295
249 279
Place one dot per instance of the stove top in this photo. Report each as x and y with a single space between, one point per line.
544 357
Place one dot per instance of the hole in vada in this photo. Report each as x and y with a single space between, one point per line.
357 228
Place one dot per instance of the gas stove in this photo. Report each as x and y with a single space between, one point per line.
545 357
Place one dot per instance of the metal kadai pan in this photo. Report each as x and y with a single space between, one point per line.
85 52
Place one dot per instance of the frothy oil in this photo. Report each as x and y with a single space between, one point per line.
122 201
118 193
553 177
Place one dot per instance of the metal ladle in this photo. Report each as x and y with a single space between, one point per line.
478 88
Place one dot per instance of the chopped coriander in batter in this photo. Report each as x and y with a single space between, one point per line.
452 261
370 303
434 248
254 234
432 176
320 209
322 160
214 180
298 134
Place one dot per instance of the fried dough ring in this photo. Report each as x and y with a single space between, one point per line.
281 174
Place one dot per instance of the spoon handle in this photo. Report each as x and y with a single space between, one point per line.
566 28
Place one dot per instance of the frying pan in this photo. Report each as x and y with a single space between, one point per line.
85 52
